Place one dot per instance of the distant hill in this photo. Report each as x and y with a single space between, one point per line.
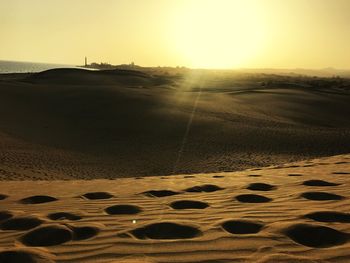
326 72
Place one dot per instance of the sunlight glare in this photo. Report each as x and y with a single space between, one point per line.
219 34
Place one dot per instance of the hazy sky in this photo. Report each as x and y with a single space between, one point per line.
194 33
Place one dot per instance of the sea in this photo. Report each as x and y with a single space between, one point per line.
25 67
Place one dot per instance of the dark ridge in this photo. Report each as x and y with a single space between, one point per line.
316 236
160 193
341 173
38 199
166 230
295 175
2 197
329 216
24 256
321 196
218 176
319 183
251 198
20 223
208 188
63 216
308 165
241 227
276 167
93 77
123 210
292 166
47 236
261 187
4 215
188 204
97 195
189 176
254 175
84 232
113 72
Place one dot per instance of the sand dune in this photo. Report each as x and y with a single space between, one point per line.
98 77
73 123
297 212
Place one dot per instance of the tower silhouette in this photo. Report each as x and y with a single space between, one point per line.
85 61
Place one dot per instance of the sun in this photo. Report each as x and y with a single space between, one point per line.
218 34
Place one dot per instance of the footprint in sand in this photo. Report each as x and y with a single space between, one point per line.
97 195
321 196
25 256
254 175
166 177
261 187
123 210
166 230
276 167
308 165
315 235
38 199
251 198
84 232
63 216
160 193
242 227
295 175
188 204
47 236
57 234
292 166
207 188
21 223
4 215
329 216
319 183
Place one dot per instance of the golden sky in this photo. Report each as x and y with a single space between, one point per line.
193 33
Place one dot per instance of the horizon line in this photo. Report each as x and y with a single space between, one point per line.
204 68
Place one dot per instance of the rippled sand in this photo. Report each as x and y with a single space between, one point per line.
297 212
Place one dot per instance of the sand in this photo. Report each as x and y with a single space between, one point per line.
296 212
173 166
77 124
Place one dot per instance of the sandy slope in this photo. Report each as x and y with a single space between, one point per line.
77 124
296 212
